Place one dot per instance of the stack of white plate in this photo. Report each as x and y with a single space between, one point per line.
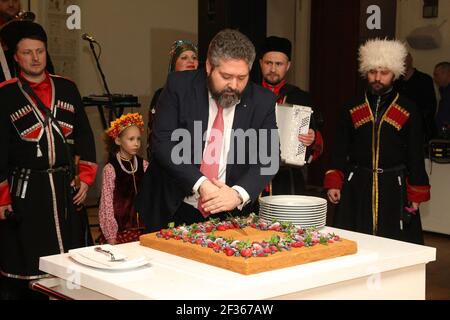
302 211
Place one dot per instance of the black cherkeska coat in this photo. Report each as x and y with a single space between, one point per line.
378 147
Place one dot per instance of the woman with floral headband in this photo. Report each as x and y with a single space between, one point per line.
119 221
183 57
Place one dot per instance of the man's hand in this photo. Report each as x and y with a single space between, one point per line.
415 205
226 199
3 209
307 139
82 194
207 188
334 195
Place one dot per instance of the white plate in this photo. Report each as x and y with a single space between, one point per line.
90 258
281 219
263 205
293 212
293 209
293 220
294 216
302 222
300 215
293 200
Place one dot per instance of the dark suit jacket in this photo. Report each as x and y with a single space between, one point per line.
184 101
420 89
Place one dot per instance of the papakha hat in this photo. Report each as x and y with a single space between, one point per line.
277 44
16 30
383 53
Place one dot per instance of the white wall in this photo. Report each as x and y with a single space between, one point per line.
291 19
302 43
409 17
135 36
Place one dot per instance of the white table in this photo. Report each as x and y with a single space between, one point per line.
382 269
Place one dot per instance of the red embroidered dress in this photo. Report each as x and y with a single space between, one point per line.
118 218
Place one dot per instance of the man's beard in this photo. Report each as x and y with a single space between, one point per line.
225 98
378 88
273 81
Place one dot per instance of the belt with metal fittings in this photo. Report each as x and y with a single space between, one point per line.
53 170
20 178
383 170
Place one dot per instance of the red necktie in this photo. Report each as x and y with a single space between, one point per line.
211 157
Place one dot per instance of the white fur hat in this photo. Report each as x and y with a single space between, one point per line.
378 53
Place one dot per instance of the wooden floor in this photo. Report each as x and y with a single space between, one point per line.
438 275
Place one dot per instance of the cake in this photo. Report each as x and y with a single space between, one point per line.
248 245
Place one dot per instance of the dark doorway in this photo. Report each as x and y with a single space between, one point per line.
247 16
337 30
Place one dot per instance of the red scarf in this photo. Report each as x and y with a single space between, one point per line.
275 89
43 89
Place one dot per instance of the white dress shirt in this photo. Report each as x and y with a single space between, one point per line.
228 119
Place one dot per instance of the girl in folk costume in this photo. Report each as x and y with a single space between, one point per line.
119 221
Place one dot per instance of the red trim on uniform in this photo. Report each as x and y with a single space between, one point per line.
361 115
66 131
397 116
87 172
317 147
34 134
418 193
4 83
5 195
334 179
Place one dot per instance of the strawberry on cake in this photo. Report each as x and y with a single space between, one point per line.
248 245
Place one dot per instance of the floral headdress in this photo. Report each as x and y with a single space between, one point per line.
178 47
124 122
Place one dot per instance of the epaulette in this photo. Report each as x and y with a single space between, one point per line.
397 116
11 81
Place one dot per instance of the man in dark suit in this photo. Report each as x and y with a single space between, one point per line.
418 87
191 180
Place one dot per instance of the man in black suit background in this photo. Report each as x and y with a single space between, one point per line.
418 87
190 179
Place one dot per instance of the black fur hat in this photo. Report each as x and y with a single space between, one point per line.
14 31
278 44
